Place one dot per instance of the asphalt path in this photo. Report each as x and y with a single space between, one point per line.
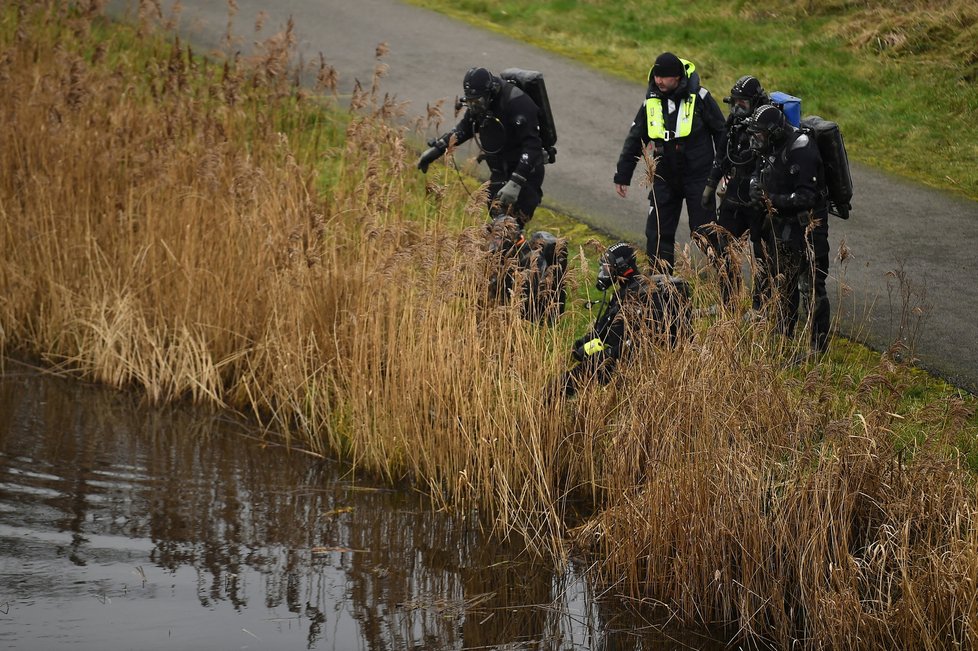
898 230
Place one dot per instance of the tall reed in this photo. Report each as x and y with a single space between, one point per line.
208 229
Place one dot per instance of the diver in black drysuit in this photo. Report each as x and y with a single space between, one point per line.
506 125
653 306
790 180
737 214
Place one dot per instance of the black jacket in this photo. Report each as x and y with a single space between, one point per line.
656 306
690 156
792 177
508 135
625 302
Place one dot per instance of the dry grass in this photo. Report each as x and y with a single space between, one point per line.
165 227
760 514
945 31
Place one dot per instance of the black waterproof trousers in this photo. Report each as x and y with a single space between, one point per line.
802 273
735 219
665 206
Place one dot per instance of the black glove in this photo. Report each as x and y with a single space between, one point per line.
429 156
436 147
509 193
708 192
578 353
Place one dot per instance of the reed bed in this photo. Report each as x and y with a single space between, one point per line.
753 509
206 229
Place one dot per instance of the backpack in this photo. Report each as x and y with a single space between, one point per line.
789 105
835 162
531 82
531 271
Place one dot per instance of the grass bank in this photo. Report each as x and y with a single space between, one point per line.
899 77
208 230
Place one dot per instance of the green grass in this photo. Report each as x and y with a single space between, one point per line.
910 111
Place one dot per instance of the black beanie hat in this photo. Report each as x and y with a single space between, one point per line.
668 65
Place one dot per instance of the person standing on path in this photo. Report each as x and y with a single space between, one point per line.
679 126
790 184
737 213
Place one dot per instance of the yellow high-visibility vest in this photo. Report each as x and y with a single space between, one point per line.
656 117
657 120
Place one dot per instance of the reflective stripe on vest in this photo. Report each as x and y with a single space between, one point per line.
657 123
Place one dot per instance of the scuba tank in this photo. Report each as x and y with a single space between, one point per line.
789 105
530 270
832 149
670 318
546 289
531 82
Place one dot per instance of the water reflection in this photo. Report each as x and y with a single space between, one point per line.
128 527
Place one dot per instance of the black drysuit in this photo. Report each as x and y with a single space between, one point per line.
684 163
792 179
508 135
655 307
737 214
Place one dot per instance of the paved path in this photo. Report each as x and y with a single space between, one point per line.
931 236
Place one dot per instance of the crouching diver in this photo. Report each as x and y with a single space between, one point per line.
639 307
505 123
527 269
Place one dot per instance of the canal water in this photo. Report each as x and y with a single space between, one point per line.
124 526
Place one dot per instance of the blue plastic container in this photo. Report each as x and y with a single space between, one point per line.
789 104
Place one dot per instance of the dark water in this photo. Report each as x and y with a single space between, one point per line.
126 527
